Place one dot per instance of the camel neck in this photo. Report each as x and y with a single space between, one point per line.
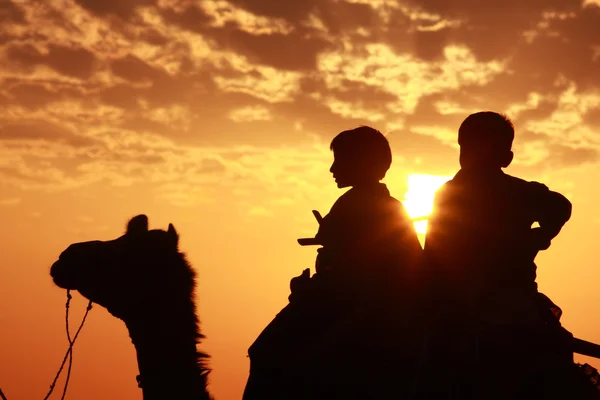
170 365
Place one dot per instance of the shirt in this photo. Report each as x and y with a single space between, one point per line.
368 239
479 236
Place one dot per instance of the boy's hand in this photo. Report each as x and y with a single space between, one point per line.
539 239
300 285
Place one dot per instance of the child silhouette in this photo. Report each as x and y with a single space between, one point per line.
368 245
479 264
367 237
480 237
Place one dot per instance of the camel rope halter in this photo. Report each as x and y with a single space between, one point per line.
69 353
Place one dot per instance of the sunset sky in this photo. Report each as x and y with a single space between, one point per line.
217 115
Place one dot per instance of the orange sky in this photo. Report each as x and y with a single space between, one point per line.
217 116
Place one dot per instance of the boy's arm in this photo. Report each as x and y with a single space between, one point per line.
553 212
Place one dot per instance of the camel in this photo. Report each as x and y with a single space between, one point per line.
143 279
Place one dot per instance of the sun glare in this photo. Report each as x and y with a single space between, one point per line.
418 199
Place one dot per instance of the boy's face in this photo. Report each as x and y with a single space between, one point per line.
342 170
348 171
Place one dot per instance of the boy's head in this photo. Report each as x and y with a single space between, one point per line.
361 156
485 140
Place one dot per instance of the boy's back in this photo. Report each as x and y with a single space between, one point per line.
480 237
480 245
479 268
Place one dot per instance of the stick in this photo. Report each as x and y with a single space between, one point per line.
586 348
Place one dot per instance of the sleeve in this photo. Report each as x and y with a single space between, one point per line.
550 209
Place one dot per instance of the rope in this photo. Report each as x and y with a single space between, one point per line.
69 353
70 345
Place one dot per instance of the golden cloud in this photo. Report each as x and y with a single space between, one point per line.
250 113
223 12
566 123
403 75
266 84
121 92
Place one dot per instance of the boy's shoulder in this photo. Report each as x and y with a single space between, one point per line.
362 197
460 191
359 210
503 180
524 186
364 207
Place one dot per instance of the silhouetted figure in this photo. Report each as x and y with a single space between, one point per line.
491 322
143 279
367 232
368 248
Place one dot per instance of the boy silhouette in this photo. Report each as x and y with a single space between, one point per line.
480 248
368 245
367 237
480 239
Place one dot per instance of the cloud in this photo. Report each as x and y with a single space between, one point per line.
264 83
223 13
566 124
43 157
122 92
569 156
123 9
259 212
13 201
404 76
250 113
132 69
11 13
292 11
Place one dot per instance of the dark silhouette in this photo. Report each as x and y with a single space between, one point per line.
143 279
343 336
494 335
349 313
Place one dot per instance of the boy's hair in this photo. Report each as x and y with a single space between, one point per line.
487 128
367 145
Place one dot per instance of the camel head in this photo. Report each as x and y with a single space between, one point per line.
130 274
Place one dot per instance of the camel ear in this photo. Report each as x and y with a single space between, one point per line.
137 225
173 235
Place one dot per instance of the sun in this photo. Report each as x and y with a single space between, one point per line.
418 199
